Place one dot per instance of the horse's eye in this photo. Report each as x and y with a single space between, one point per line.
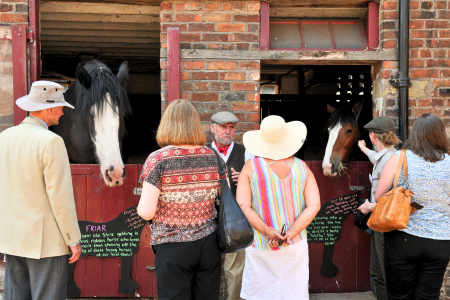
349 131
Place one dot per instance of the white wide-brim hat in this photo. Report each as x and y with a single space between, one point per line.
276 139
43 95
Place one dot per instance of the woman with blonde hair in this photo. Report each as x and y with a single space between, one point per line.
180 184
382 135
279 196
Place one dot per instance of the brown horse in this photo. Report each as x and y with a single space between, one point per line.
344 133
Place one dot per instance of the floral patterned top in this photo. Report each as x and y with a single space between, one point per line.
430 183
189 183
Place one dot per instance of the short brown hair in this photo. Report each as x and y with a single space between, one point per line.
388 138
180 125
428 138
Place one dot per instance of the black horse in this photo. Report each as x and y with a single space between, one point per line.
93 131
116 238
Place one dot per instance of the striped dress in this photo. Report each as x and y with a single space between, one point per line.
277 202
281 274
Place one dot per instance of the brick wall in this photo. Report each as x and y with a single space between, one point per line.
216 85
11 12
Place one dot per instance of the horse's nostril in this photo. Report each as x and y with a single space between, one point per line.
332 168
124 172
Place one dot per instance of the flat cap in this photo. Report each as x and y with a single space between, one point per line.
224 117
380 125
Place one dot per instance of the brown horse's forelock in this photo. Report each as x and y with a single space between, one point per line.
344 115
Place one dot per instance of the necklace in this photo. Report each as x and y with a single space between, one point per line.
272 162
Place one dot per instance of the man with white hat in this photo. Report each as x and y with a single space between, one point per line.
38 220
224 128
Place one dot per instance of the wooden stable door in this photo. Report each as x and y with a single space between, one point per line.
352 250
99 277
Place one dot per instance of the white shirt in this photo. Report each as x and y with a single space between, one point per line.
247 156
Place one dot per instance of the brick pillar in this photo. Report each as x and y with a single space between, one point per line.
214 85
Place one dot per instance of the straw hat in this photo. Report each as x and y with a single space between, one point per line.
276 139
43 95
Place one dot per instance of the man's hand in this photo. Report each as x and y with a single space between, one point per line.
235 175
76 252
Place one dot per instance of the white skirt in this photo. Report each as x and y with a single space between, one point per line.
276 275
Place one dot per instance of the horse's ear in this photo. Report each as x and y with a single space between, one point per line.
357 108
83 76
122 75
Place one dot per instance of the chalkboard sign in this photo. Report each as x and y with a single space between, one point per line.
119 237
327 226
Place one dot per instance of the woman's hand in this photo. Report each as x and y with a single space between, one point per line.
361 144
367 207
273 236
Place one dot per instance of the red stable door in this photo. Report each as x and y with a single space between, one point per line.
99 277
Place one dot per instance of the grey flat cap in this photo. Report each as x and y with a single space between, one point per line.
380 125
224 117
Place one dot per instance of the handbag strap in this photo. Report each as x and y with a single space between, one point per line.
402 162
221 171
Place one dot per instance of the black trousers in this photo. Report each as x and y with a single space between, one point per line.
188 270
415 266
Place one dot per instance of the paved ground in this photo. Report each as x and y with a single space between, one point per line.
344 296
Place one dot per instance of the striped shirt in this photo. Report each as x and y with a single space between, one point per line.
277 202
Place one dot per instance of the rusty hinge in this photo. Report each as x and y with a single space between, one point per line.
30 36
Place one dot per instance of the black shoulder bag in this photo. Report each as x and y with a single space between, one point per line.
234 232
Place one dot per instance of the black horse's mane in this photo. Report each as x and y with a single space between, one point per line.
102 81
343 115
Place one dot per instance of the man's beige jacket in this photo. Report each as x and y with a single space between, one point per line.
37 207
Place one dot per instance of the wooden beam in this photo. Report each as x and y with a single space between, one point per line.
98 8
99 18
265 26
99 26
115 33
35 43
5 32
129 2
102 45
98 50
173 64
341 57
302 12
109 54
98 39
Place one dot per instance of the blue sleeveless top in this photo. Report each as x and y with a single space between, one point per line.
430 183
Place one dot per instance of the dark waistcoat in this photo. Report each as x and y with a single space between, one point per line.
235 161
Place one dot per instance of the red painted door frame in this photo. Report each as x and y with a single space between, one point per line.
20 76
35 41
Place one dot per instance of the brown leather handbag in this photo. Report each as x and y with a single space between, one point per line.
394 208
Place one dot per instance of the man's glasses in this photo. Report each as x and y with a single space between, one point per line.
283 233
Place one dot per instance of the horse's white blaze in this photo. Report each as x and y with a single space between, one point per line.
326 163
107 143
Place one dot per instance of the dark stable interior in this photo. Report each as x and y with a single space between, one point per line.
320 90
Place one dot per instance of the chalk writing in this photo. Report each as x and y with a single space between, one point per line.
326 226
